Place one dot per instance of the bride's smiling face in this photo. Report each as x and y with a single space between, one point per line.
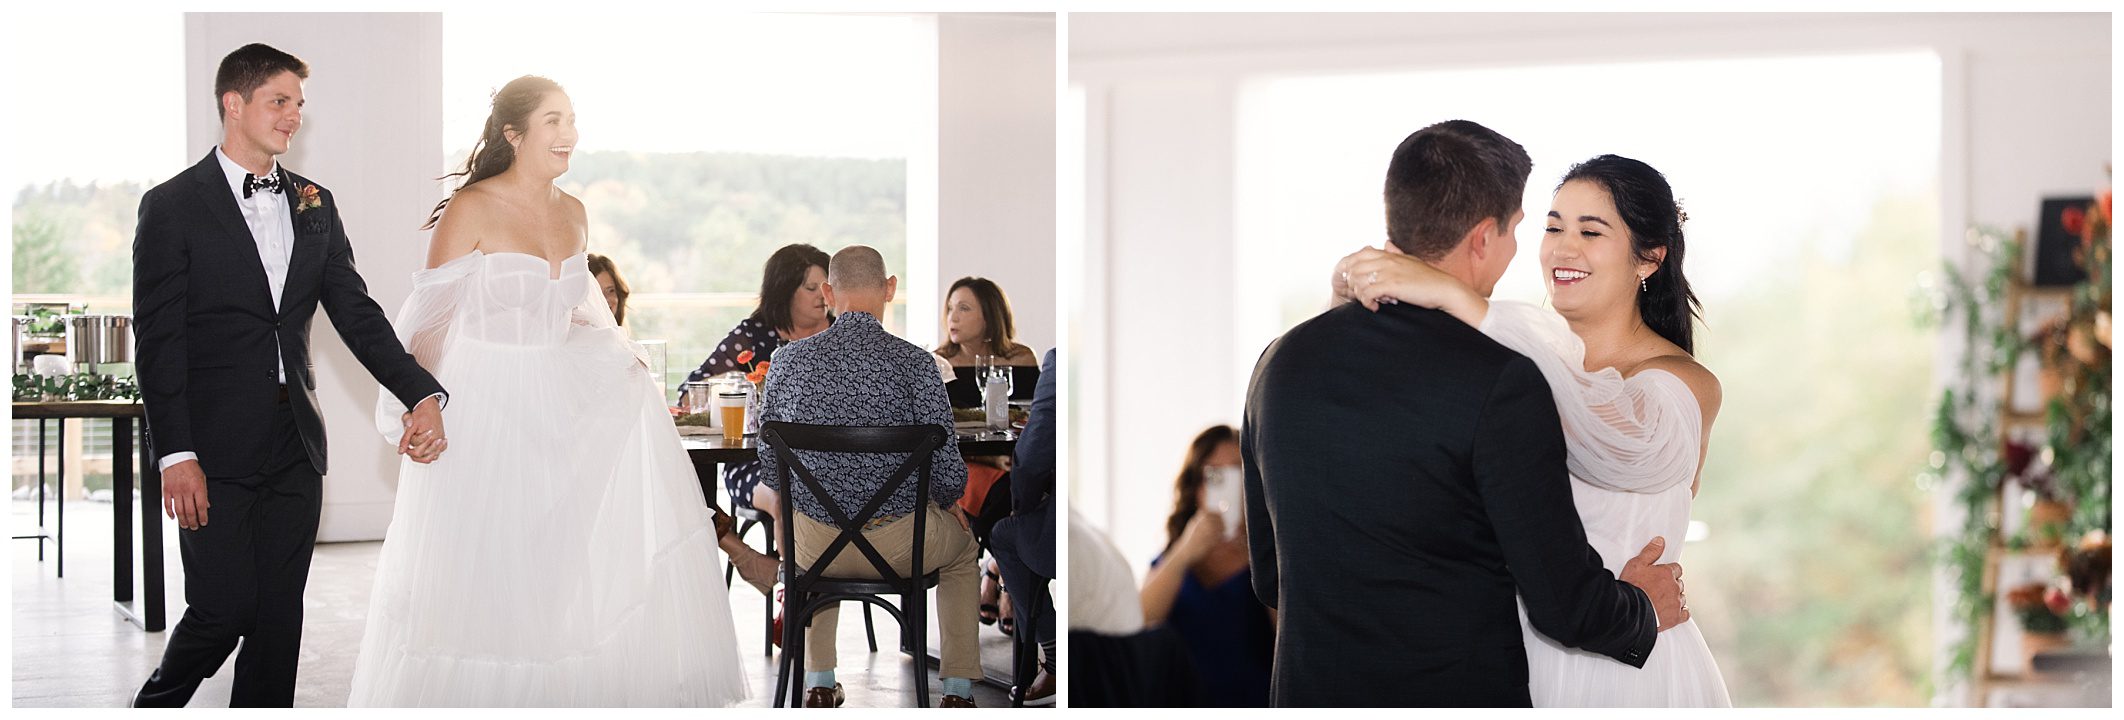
547 140
1586 258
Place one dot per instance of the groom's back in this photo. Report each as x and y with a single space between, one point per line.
1390 582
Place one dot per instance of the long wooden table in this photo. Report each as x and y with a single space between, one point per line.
148 611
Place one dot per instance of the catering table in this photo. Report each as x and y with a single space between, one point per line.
148 611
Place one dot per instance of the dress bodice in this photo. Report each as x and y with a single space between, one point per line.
511 298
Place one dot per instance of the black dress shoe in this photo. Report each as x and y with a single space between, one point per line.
819 697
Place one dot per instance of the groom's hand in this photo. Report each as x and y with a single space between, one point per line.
1661 583
184 495
423 440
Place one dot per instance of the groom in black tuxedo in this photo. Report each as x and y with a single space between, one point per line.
230 261
1405 477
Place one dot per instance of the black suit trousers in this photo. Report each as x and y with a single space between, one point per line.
244 573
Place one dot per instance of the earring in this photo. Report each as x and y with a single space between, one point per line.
1641 282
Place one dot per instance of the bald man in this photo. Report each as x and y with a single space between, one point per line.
857 374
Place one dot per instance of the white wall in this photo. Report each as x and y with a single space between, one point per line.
2027 113
372 133
995 180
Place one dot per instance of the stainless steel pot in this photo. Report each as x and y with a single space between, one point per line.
99 339
14 359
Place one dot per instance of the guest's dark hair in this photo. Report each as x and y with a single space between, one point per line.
1446 178
1654 220
602 264
785 272
510 109
1001 330
1187 489
249 67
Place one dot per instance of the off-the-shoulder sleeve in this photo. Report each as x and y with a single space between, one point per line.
423 326
1639 434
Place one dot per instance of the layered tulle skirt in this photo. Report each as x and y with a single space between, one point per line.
560 552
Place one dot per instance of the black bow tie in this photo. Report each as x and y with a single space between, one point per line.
254 183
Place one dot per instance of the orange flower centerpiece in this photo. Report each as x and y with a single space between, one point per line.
756 375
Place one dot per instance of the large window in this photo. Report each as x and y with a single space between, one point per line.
1811 188
709 142
89 140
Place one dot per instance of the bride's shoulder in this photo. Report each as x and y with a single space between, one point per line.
1701 382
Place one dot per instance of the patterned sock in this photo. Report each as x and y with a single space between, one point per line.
818 678
1047 656
961 687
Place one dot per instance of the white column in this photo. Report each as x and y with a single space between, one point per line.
995 155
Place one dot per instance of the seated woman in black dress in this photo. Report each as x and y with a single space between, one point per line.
1201 587
977 322
791 308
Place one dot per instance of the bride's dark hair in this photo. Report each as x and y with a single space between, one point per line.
510 110
1646 202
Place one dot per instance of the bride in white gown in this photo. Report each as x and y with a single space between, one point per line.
1636 407
560 552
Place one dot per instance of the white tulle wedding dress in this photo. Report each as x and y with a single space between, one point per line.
1634 447
559 554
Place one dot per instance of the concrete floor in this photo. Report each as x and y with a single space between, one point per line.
71 649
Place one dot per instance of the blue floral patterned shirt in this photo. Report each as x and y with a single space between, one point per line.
854 373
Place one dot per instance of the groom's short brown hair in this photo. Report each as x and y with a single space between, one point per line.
1446 178
249 67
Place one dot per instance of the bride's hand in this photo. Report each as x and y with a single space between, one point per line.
1376 277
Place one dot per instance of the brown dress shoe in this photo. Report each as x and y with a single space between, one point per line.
823 698
954 701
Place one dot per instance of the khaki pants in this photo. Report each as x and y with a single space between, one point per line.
949 550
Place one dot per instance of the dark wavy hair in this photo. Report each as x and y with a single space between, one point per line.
1002 331
602 264
785 273
1444 179
510 109
246 68
1187 488
1646 203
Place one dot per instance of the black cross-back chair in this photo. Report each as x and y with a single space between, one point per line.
806 592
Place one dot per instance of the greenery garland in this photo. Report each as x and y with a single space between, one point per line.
79 386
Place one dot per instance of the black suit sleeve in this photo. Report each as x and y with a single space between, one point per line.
1519 470
1260 530
1033 471
362 324
161 263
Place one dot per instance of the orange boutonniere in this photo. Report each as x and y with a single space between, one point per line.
308 198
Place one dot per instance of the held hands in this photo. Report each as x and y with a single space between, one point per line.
423 440
1662 583
184 495
1374 277
959 514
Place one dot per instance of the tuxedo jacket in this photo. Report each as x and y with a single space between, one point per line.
1405 478
207 328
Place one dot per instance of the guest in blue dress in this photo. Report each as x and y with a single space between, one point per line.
1200 586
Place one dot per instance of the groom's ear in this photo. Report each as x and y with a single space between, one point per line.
826 288
1478 238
